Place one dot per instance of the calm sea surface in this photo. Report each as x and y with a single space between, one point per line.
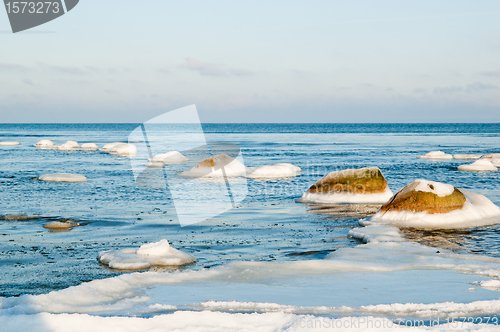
267 225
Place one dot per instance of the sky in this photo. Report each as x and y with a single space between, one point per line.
256 61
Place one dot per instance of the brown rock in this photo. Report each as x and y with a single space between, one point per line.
411 200
367 180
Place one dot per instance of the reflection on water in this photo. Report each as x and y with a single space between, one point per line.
344 211
446 239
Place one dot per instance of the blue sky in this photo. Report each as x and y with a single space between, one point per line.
256 61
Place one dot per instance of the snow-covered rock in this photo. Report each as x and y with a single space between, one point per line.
482 165
172 157
45 144
63 177
89 147
274 171
151 254
123 149
437 155
428 204
68 146
154 164
213 167
364 185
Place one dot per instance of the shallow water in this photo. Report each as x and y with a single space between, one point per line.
267 226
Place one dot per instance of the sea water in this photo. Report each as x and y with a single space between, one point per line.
268 253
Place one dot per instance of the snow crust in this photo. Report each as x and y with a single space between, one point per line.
347 198
45 144
466 156
151 254
437 188
277 171
231 166
8 143
172 157
477 211
436 155
89 147
482 165
63 177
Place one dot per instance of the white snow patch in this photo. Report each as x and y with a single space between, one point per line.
436 188
231 166
436 155
274 171
466 156
490 284
172 157
63 177
482 165
151 254
477 211
8 143
155 164
121 149
45 144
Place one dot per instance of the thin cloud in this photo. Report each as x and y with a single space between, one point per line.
28 82
478 86
63 69
210 69
494 73
447 89
419 90
11 67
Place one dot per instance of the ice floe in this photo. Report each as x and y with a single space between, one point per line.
45 144
364 186
89 147
434 205
277 171
63 177
8 143
154 164
122 149
151 254
466 156
172 157
482 165
68 146
217 166
437 155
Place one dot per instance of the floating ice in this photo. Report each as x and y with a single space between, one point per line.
363 186
444 207
172 157
438 155
466 156
155 164
68 146
45 144
274 171
8 143
151 254
89 147
109 146
493 157
213 167
57 225
63 177
122 149
482 165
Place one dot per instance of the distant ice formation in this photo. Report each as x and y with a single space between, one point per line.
63 177
481 165
172 157
45 144
466 156
151 254
8 143
89 147
120 149
283 170
68 146
364 185
437 155
217 166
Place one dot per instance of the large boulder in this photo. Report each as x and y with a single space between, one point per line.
364 185
426 196
217 166
433 205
